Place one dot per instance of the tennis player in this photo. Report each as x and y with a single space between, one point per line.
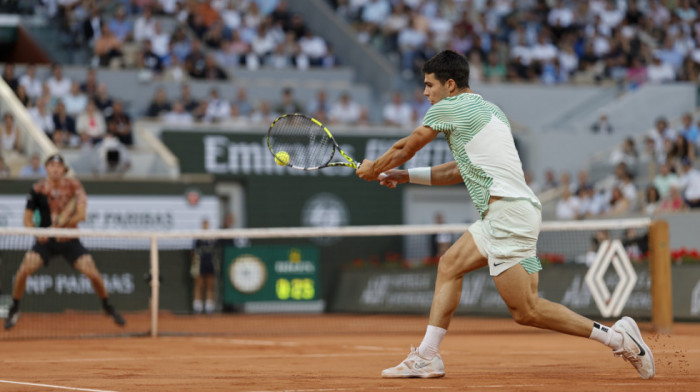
505 237
49 197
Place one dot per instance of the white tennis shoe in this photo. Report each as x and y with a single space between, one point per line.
415 366
633 349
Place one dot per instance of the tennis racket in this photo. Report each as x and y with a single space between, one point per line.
302 142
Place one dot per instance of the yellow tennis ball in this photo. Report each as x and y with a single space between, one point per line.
282 158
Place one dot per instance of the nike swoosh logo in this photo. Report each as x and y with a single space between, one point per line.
639 346
421 365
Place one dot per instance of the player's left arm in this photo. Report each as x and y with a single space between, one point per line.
444 174
398 154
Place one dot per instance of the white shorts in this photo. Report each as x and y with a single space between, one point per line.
508 235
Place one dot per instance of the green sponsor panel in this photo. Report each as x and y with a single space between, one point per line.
272 278
411 291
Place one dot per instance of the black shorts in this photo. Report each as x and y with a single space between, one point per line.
70 250
206 267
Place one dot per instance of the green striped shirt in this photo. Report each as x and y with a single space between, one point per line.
481 142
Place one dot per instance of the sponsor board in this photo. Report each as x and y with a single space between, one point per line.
411 291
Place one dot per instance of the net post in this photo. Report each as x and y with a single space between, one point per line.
155 286
660 271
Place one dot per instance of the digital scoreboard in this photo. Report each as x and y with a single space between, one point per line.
276 278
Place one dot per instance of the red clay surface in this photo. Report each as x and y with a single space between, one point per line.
333 353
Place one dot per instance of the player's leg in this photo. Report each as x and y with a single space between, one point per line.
462 257
86 265
519 290
197 303
209 303
30 263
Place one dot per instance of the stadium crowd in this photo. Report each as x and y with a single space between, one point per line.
665 169
629 42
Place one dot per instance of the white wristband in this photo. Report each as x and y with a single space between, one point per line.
419 175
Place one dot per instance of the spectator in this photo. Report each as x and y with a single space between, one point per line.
160 41
582 181
175 71
102 100
218 109
144 28
550 180
8 74
689 130
626 153
345 111
92 25
288 104
59 86
659 134
159 105
636 74
31 83
674 202
602 125
108 49
42 116
659 72
664 179
121 26
681 149
65 134
690 184
263 115
90 85
194 62
22 96
397 112
34 169
319 103
619 204
314 47
91 124
9 134
190 103
241 102
178 116
212 70
653 200
114 157
75 102
119 124
149 60
568 206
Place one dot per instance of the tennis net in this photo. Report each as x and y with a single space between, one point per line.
309 280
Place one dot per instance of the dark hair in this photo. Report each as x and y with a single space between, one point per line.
448 65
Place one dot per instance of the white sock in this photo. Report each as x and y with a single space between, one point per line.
430 345
606 335
197 306
209 306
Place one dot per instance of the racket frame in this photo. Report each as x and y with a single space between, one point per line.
350 162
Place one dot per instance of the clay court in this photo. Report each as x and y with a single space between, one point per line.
336 353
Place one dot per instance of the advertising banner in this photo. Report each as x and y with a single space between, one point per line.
411 291
131 213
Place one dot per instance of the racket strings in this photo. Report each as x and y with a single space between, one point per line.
306 142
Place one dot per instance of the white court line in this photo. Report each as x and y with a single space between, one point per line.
31 384
189 357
